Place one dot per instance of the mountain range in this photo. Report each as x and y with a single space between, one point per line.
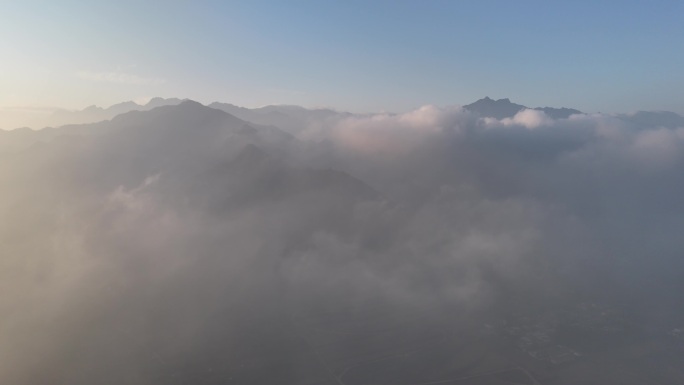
94 113
504 108
296 119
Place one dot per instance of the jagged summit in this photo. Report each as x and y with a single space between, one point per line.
504 108
499 109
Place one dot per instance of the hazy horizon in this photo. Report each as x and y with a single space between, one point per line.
38 118
384 56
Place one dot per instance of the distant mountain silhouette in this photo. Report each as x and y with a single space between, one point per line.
211 151
185 118
257 115
295 119
504 108
290 118
558 113
94 113
498 109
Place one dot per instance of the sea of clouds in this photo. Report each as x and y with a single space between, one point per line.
134 246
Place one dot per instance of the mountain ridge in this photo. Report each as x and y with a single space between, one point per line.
504 108
293 119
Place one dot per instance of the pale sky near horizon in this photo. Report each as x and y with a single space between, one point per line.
609 56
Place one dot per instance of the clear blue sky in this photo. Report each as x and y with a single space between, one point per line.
610 56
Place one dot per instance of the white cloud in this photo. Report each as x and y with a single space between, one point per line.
528 118
394 133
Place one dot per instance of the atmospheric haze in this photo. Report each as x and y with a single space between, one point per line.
180 243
